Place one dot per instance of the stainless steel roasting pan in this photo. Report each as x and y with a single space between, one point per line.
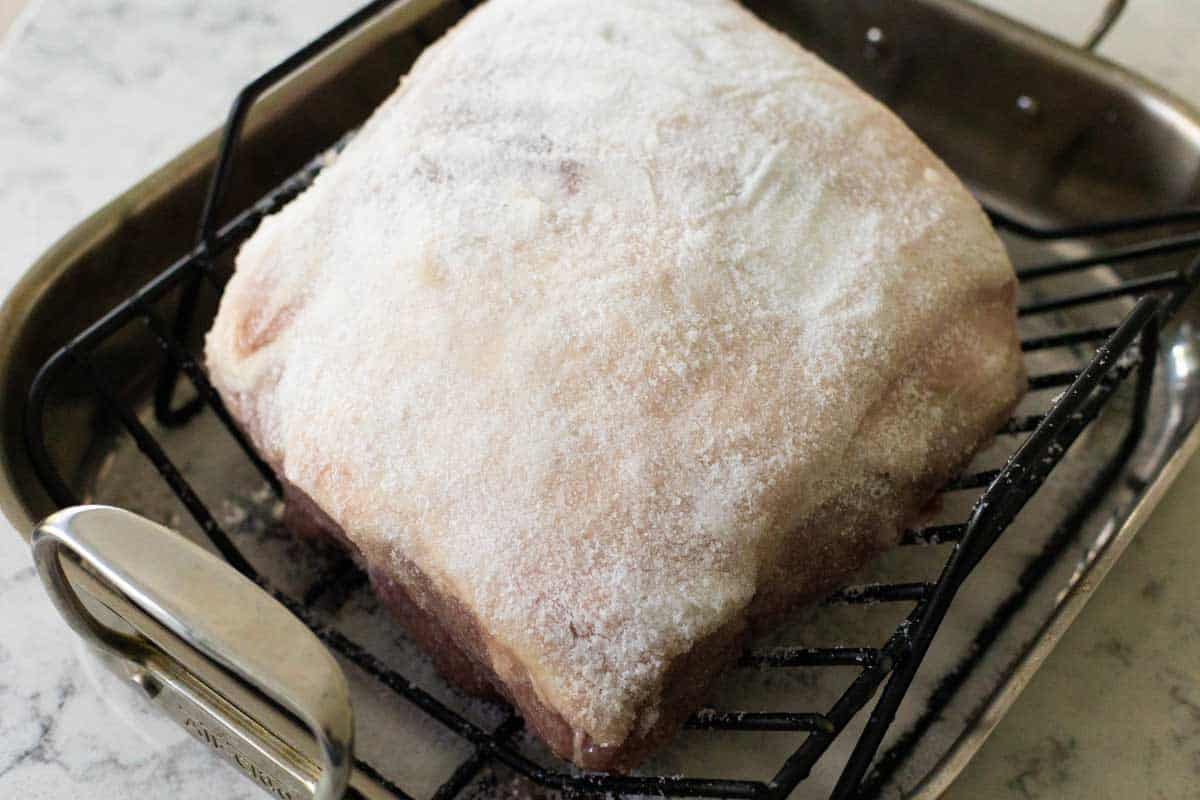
1050 137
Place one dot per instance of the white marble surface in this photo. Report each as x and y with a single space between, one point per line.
95 93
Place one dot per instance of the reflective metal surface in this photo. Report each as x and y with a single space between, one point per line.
1108 18
1044 131
224 616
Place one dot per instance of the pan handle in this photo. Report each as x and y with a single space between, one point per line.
1108 17
225 617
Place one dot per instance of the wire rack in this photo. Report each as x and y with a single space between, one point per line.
1127 346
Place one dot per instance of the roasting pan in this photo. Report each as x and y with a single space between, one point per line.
1093 176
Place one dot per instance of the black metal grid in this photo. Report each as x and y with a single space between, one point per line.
1128 346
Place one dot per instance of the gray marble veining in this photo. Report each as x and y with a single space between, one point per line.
95 93
68 728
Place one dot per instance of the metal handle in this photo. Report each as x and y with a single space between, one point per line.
1108 18
1112 11
225 617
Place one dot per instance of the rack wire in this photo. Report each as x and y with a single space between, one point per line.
1126 347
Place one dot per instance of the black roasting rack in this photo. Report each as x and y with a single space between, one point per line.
1127 346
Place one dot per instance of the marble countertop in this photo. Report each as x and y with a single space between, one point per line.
95 93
